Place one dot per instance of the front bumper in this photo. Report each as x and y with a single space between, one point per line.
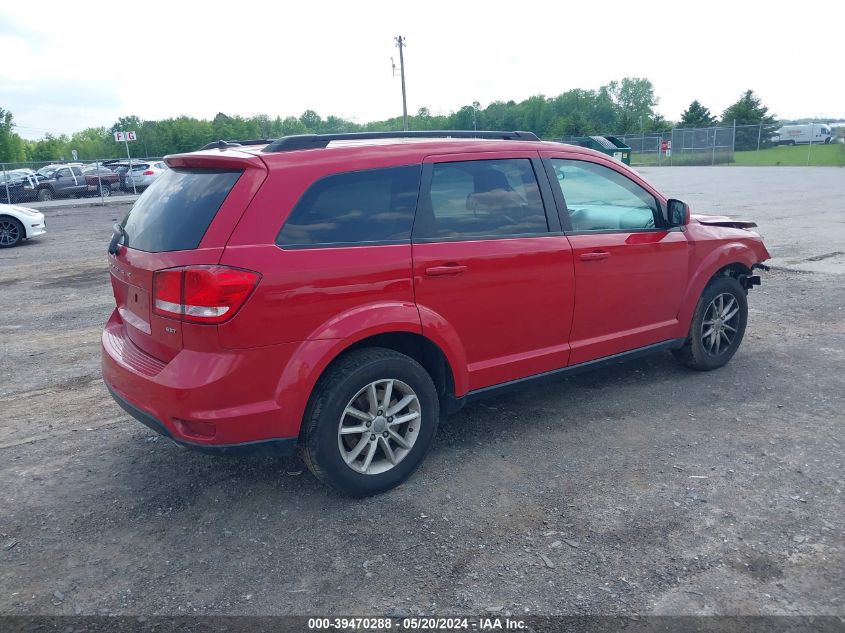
35 226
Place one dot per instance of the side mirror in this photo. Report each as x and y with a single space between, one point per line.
677 213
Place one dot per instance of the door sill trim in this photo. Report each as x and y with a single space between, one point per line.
478 394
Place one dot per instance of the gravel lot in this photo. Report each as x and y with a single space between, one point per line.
642 488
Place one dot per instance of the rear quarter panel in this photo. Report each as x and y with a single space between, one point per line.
322 293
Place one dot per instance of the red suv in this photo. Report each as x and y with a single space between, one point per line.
339 292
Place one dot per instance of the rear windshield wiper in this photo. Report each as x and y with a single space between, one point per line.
119 233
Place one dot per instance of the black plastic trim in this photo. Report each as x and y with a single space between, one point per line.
557 194
282 446
657 229
318 141
546 195
302 247
482 238
477 394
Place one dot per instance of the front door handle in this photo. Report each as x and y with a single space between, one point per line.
447 269
595 255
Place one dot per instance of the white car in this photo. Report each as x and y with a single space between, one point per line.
142 175
18 224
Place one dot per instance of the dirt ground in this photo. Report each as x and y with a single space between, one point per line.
641 488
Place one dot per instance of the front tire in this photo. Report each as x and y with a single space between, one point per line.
45 195
718 326
370 422
11 232
104 189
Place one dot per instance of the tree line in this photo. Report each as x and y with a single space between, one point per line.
619 107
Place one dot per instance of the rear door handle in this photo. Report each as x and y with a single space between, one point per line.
448 269
587 257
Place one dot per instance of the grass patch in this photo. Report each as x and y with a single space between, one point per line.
832 155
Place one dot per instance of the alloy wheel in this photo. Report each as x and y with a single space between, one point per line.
379 426
720 324
10 233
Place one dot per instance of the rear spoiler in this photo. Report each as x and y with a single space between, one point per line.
722 220
227 159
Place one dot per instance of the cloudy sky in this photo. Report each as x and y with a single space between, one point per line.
65 65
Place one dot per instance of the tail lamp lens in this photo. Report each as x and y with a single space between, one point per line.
148 173
202 294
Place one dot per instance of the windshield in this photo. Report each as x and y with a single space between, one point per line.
14 176
47 171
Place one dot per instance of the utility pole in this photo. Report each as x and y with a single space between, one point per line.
400 42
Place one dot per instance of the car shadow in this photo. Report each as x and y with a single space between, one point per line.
571 401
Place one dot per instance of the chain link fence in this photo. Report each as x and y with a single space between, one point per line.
41 182
716 145
683 146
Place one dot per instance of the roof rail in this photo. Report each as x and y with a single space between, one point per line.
221 144
316 141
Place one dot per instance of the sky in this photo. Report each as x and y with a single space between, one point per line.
70 68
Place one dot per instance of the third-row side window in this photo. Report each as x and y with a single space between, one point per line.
375 205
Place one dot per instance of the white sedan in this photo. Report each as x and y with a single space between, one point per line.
18 224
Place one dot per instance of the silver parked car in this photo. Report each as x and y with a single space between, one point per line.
143 174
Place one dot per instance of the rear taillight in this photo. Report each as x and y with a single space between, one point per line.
148 173
202 294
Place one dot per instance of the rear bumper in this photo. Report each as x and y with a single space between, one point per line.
140 181
95 186
212 401
284 446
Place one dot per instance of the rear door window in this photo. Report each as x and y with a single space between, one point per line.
359 207
174 213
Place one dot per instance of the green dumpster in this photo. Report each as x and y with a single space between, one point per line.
609 145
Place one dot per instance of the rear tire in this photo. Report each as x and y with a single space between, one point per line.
395 412
718 326
104 189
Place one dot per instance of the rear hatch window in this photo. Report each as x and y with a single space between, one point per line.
177 209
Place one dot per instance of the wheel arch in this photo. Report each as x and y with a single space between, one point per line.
315 356
423 350
733 260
